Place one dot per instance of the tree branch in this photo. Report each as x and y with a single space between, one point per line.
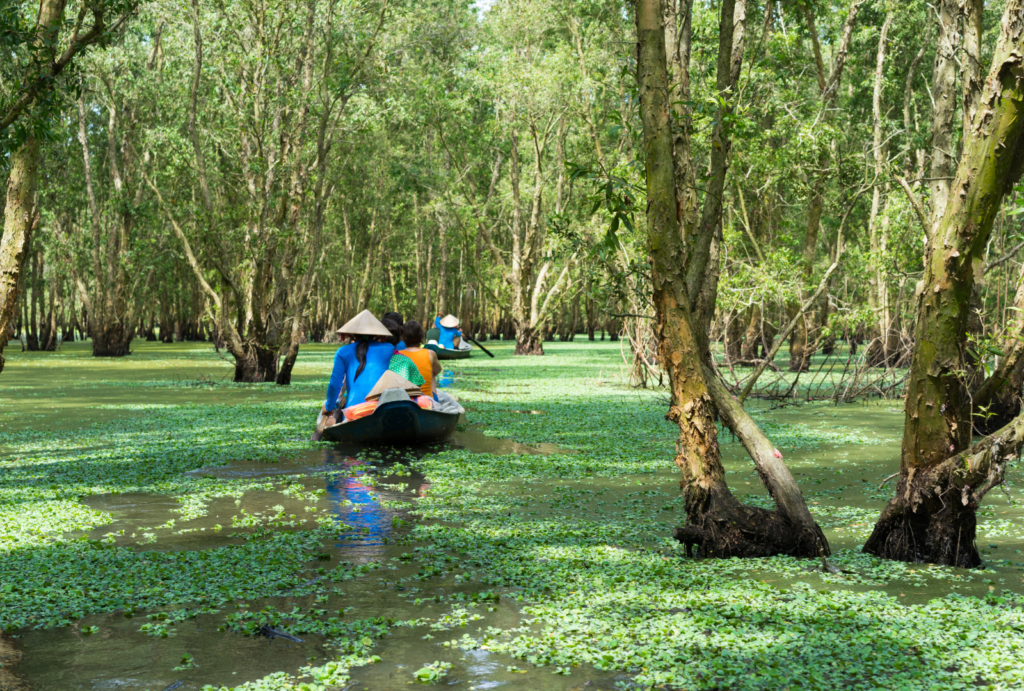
922 217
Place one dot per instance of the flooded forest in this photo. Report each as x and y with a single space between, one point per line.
359 345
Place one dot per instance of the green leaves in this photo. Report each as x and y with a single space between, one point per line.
561 560
433 672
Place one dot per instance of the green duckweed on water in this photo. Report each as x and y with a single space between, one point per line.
155 519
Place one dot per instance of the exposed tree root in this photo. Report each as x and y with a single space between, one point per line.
528 342
937 529
724 528
932 517
113 341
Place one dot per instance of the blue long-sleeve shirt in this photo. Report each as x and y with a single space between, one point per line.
447 337
378 356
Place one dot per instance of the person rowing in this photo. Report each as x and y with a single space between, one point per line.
450 336
360 364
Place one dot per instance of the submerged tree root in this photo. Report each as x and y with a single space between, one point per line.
938 529
727 528
932 517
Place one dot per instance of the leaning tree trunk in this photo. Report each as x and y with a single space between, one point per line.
717 524
932 516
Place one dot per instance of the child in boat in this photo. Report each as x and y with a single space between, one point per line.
401 363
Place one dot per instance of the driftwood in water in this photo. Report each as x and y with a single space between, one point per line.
269 631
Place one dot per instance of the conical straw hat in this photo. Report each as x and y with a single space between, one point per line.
390 380
450 321
364 324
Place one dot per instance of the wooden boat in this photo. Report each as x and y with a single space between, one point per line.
449 353
396 422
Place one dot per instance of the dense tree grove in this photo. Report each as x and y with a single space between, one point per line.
711 182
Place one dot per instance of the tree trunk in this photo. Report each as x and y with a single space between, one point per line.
734 337
799 357
717 524
19 221
751 337
943 93
931 519
442 275
258 365
32 340
111 339
528 340
49 341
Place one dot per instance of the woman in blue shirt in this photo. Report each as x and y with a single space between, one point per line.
361 363
449 327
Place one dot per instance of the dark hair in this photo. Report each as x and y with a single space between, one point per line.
361 347
395 329
393 316
413 332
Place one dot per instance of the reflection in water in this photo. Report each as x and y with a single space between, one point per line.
357 502
357 505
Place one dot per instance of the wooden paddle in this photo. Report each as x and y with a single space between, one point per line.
324 421
478 344
321 423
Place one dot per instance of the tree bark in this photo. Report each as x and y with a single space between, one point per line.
19 220
940 169
970 59
929 519
717 524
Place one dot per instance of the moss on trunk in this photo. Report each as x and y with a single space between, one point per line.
926 520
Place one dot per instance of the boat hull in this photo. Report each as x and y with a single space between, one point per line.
400 422
449 354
